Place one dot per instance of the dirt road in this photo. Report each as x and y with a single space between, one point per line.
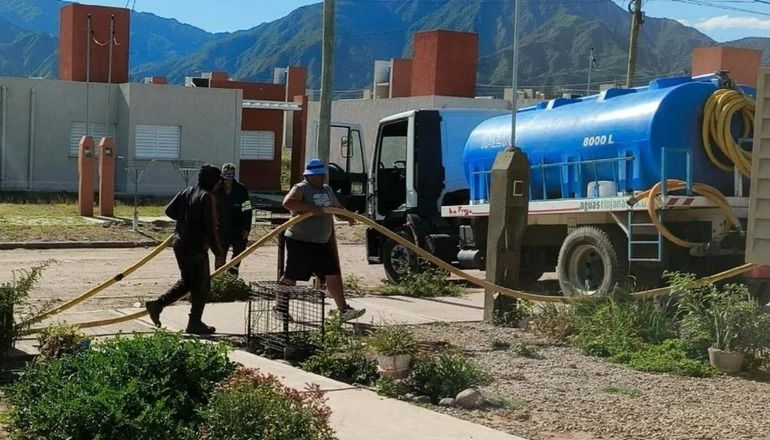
74 271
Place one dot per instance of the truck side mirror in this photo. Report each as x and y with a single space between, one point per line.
345 151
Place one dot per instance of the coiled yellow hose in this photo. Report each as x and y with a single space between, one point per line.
709 192
718 115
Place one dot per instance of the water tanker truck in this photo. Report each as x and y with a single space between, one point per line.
593 160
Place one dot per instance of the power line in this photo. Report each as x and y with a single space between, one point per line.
723 7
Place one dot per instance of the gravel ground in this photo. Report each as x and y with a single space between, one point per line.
566 395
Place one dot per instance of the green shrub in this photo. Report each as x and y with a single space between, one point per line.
620 324
228 288
755 341
123 388
350 365
60 339
251 405
425 282
552 321
725 317
393 340
388 387
511 314
525 349
669 357
497 344
341 355
12 294
352 284
622 391
445 375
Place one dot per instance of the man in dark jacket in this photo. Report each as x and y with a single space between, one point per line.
194 210
234 210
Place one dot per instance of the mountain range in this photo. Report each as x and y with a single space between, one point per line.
556 37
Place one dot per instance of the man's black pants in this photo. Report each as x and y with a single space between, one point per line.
196 279
239 245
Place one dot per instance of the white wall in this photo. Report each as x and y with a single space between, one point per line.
369 112
39 114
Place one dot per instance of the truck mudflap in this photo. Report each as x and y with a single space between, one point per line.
373 246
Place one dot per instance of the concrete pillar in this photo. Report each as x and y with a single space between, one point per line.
106 177
508 211
86 176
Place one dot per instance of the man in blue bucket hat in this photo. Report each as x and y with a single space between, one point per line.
310 245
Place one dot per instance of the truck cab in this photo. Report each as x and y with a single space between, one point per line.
416 168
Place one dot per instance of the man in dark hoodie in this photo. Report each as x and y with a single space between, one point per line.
234 212
194 210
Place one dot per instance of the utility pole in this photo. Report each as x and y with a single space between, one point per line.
327 84
637 18
514 69
590 67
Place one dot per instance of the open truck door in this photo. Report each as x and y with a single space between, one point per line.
347 164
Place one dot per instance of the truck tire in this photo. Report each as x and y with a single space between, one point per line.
396 258
588 263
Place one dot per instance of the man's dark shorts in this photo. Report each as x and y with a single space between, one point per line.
304 259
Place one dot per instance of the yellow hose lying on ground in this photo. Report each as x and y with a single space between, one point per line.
101 286
709 192
422 254
718 114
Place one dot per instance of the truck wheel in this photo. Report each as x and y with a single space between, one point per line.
397 259
588 263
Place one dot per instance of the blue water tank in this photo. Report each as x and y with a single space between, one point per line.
618 135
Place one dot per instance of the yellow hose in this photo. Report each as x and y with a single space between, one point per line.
101 286
711 193
422 254
718 114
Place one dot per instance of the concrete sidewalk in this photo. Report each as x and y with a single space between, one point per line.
356 413
362 414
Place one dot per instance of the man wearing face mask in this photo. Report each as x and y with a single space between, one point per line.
234 211
194 210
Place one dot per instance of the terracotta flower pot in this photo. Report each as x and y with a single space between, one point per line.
729 362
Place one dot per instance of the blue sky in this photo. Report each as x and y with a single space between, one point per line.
723 23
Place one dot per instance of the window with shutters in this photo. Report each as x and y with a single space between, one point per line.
257 145
96 131
157 141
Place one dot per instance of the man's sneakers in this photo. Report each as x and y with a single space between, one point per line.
349 313
154 308
197 327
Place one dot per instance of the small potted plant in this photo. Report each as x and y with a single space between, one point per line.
722 315
394 347
732 311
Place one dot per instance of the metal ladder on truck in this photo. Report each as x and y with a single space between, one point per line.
643 249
